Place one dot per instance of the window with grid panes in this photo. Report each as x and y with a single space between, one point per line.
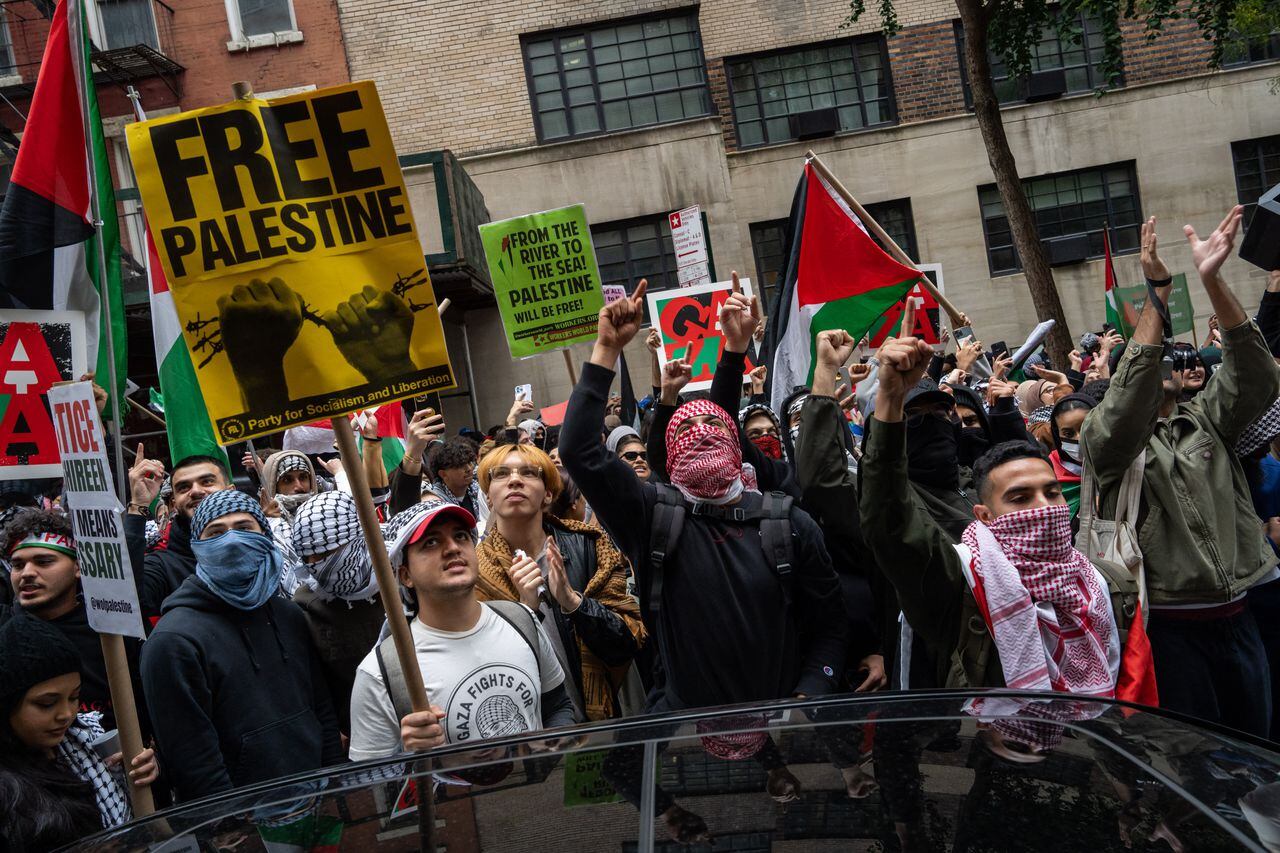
1068 204
767 241
1245 51
851 76
7 65
634 249
1257 165
1081 62
618 76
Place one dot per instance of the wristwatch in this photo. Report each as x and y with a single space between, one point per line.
143 509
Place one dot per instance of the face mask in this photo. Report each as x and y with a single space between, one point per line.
973 443
242 567
706 464
1069 450
932 453
769 445
289 503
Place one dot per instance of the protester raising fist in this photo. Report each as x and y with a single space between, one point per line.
902 362
675 375
739 316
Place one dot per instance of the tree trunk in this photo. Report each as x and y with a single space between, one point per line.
975 16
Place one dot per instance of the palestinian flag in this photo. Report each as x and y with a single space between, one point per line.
1113 305
836 277
392 424
48 249
186 418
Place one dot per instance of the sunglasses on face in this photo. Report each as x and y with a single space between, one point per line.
633 455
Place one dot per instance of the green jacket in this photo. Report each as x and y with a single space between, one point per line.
920 560
1200 538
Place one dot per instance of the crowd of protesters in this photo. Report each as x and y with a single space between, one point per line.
707 551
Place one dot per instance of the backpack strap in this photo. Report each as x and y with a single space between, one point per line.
668 524
776 538
393 677
524 621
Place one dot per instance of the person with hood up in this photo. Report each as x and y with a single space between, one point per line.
625 443
981 429
165 569
1034 394
54 788
288 481
337 590
763 429
235 687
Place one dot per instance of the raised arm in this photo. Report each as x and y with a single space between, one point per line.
1119 428
1247 383
426 428
910 548
821 471
739 317
608 483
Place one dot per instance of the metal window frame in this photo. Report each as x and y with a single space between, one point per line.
1270 50
236 22
586 31
1131 165
891 99
958 29
1254 152
664 234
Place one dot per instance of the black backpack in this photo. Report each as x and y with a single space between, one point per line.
776 537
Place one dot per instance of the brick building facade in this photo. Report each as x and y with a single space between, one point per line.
562 101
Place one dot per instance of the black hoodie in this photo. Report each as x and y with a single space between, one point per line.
164 569
235 696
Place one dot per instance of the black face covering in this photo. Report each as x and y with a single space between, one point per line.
932 457
973 443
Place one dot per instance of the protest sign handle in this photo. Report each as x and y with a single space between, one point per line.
568 365
892 247
126 711
388 588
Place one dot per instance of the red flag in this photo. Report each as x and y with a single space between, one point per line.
1137 680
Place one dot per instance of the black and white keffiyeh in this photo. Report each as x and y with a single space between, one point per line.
108 786
328 524
1260 432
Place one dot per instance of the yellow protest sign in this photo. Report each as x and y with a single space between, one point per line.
285 234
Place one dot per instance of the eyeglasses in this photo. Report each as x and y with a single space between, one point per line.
633 455
526 472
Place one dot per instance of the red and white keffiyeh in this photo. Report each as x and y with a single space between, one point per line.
704 461
1043 602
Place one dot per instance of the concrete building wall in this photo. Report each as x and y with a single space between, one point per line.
453 77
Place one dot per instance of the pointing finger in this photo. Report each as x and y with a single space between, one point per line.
737 285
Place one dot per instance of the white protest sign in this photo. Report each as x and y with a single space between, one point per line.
110 596
613 292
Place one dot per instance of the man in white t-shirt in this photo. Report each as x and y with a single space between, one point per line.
483 677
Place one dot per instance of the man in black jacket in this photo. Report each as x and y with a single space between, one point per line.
233 682
164 569
731 624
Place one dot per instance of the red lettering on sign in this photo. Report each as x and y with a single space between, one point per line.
26 422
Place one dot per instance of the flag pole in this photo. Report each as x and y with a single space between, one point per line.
890 245
75 29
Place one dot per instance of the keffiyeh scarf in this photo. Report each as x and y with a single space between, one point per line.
1043 602
328 524
1260 432
108 786
705 461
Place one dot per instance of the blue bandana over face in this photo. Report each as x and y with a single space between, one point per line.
242 567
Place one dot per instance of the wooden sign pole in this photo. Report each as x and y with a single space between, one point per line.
388 587
568 365
126 711
893 248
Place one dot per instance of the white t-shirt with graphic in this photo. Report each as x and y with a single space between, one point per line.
486 680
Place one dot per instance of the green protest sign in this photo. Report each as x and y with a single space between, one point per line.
545 279
1131 299
584 782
